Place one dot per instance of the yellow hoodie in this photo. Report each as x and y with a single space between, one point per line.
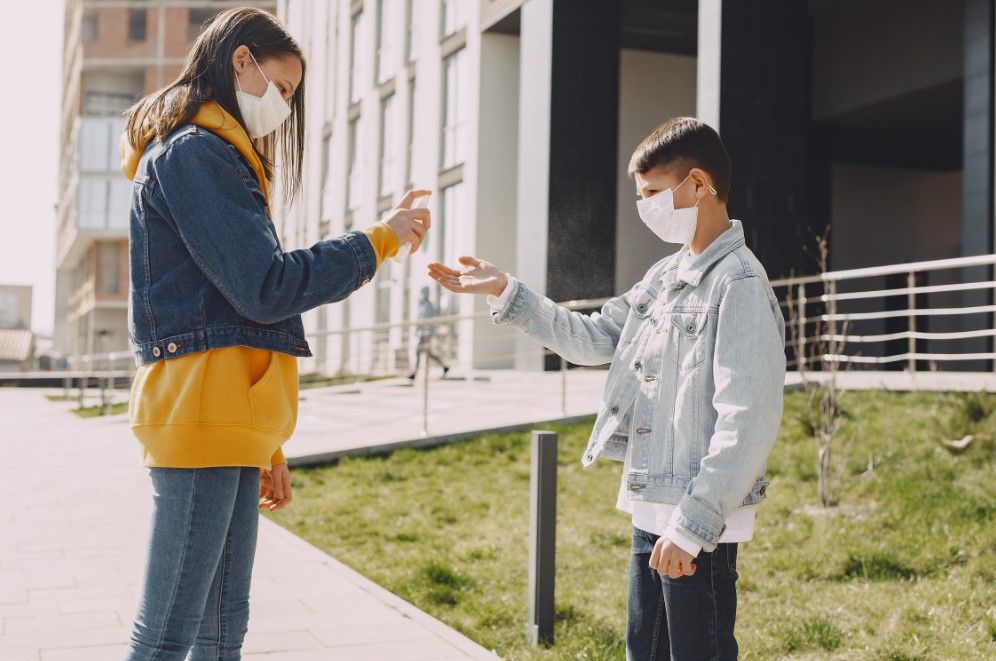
233 406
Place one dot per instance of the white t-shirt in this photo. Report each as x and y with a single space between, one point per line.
655 518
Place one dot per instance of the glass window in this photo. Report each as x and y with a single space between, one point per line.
88 29
119 213
388 146
8 309
452 212
137 19
91 203
383 296
325 209
387 37
108 271
107 103
356 59
353 165
410 33
410 150
197 20
454 109
453 16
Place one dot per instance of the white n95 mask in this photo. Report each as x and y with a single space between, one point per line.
672 225
262 114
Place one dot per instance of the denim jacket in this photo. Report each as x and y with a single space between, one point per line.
695 383
207 269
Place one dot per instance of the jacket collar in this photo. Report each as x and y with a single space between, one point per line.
214 118
694 269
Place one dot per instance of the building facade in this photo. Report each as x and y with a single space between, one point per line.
115 52
521 115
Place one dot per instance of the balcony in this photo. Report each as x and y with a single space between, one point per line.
99 207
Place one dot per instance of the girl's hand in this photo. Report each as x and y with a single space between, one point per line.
275 488
410 224
476 277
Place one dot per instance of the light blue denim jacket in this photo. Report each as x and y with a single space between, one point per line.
695 383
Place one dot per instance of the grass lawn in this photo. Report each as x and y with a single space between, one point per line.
905 568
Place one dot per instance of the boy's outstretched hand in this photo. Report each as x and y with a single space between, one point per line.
476 277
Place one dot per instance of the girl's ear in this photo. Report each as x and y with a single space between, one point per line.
239 57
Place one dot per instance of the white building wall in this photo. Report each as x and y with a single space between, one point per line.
652 88
324 31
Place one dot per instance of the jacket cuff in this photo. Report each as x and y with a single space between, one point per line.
699 522
384 241
499 301
520 302
685 542
366 258
278 458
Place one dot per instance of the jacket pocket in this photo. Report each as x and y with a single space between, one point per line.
273 398
691 343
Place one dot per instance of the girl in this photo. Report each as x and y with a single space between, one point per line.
214 319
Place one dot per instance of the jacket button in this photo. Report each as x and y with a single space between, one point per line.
155 351
690 326
613 410
171 347
641 308
637 365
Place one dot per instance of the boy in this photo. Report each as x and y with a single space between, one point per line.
693 398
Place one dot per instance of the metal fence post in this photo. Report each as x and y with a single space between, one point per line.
542 537
425 397
563 387
800 349
911 320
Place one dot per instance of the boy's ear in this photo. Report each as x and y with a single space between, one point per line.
701 179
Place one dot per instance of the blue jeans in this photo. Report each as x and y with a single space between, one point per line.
681 619
196 593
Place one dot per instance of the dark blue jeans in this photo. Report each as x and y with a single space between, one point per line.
196 594
682 619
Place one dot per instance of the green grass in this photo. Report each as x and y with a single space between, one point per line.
94 411
904 569
316 380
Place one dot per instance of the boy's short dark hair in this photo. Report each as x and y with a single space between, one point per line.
684 143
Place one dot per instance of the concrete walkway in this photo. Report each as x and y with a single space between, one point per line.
379 416
73 524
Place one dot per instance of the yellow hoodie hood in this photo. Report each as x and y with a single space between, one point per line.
216 119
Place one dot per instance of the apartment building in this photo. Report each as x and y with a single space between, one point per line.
521 115
115 52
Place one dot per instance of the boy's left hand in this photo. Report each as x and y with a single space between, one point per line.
476 277
671 560
275 488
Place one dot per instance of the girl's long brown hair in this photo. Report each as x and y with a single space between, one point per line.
208 75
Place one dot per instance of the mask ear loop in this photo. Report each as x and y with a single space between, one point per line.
699 199
258 67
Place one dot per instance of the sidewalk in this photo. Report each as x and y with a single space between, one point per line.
379 416
72 543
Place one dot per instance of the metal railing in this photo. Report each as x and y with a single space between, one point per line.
915 315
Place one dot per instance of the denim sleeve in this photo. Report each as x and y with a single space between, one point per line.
227 234
580 338
749 373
